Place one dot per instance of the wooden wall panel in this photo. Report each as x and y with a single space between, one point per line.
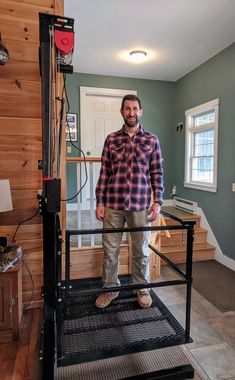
19 161
22 198
19 30
27 232
35 267
19 51
21 132
23 70
27 281
46 3
29 93
14 126
17 216
22 11
23 180
24 153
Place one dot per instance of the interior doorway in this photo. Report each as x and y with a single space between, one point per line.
100 115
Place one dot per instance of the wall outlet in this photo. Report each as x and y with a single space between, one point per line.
69 149
233 186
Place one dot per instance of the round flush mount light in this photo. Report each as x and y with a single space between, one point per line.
138 56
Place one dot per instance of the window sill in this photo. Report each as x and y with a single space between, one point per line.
202 187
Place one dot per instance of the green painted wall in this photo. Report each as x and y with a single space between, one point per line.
213 79
164 105
158 101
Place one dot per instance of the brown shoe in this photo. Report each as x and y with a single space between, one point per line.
105 299
144 299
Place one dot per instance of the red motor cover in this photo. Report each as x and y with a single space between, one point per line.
64 41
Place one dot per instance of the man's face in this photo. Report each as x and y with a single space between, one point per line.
131 113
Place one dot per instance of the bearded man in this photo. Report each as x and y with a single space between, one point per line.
131 177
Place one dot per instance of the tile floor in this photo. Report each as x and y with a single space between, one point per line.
213 332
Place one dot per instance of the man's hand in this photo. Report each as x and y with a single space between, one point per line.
99 212
153 212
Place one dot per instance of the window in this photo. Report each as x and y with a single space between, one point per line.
201 146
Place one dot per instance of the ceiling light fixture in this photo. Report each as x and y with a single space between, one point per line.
138 56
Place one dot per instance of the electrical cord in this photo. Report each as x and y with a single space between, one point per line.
22 222
80 150
60 134
24 256
33 285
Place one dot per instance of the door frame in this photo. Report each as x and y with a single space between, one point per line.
98 91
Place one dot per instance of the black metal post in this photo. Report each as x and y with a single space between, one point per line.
49 281
46 86
58 253
51 195
49 219
59 313
67 262
189 261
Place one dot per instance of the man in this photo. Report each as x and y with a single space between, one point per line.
131 170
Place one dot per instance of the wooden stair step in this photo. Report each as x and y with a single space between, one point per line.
177 253
179 257
175 247
178 248
177 237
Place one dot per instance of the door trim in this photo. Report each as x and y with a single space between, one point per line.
98 91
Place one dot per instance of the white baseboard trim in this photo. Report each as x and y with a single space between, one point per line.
226 261
219 256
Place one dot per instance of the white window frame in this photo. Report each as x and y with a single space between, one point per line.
212 105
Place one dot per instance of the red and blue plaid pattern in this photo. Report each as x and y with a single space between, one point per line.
131 167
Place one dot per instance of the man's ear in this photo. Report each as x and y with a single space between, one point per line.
141 112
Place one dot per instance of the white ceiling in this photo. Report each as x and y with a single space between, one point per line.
178 35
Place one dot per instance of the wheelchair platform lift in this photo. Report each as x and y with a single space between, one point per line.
74 331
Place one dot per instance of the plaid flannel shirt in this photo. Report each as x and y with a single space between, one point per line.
131 168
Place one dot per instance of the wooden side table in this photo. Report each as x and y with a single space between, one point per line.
10 303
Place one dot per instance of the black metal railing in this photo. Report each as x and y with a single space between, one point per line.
71 290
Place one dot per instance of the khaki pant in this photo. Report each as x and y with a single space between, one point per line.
112 241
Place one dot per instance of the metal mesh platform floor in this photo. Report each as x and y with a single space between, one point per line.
90 334
136 364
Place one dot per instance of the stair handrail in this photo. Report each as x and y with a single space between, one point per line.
177 219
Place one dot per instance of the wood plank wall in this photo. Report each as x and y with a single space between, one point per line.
20 130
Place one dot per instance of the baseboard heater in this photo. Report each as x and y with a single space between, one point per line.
185 205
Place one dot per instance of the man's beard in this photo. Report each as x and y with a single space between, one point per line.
132 123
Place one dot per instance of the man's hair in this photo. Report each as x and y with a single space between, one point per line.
130 97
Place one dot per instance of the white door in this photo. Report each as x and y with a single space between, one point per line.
100 115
